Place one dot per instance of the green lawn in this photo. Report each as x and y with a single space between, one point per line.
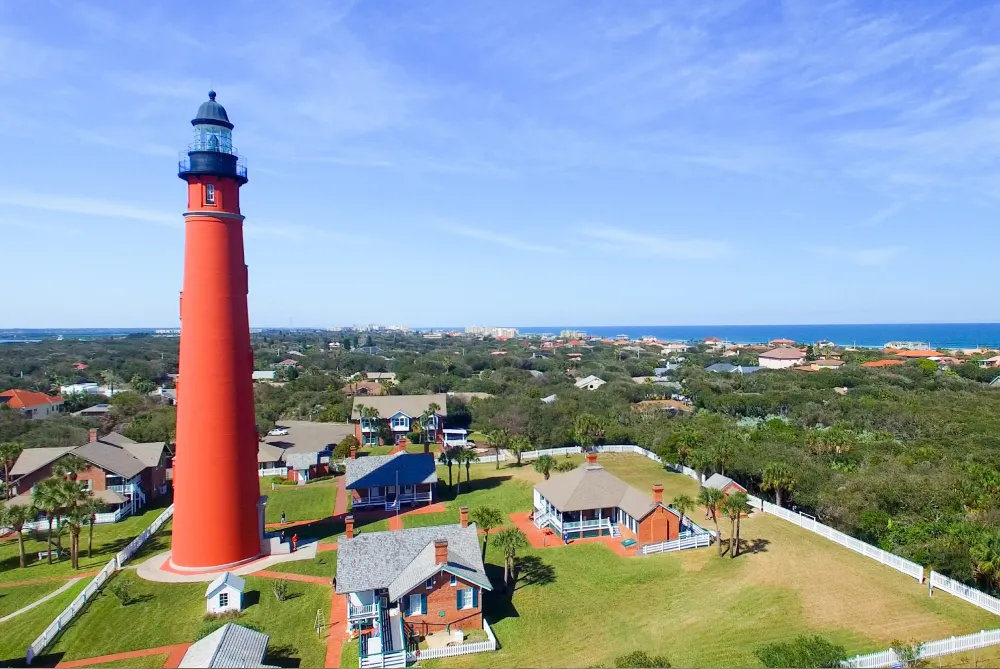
108 540
324 564
330 529
507 488
13 598
169 613
17 633
299 502
149 661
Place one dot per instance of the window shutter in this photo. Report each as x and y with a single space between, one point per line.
475 598
458 599
423 604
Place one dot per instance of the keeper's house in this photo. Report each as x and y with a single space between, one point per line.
388 481
589 502
404 584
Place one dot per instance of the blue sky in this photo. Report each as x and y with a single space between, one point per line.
514 163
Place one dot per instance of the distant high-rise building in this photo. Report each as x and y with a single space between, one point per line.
490 331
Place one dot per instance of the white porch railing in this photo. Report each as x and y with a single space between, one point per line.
407 498
272 471
586 525
356 612
695 541
451 651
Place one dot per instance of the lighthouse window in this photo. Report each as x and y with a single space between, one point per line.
210 194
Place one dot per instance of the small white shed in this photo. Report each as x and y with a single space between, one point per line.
225 594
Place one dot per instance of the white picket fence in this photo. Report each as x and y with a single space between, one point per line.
567 450
962 591
696 541
950 646
807 523
451 651
78 604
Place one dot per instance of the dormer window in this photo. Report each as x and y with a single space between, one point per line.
209 193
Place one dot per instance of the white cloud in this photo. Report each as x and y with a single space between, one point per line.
496 238
86 206
640 245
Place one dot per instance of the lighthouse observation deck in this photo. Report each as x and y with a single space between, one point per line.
209 158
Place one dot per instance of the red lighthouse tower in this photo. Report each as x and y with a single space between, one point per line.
217 522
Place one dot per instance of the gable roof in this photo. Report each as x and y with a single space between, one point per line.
269 452
25 399
882 363
109 457
381 470
227 580
719 482
550 399
399 560
33 459
721 368
149 454
229 646
783 353
375 376
306 436
587 380
411 405
591 486
116 439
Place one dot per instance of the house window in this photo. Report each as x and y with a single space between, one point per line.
89 485
400 422
454 580
209 193
416 605
467 598
369 439
429 584
224 600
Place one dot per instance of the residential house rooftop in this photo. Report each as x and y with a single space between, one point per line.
411 405
590 486
385 470
229 646
25 399
783 353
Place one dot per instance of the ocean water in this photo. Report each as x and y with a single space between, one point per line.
938 335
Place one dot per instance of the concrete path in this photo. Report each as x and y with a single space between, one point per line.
301 578
156 568
174 655
55 593
336 631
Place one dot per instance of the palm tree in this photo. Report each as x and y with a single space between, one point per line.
779 478
722 454
700 462
466 456
497 438
985 556
519 445
9 452
387 385
544 465
111 379
684 504
509 540
76 500
711 499
565 466
486 518
47 496
734 506
93 507
69 466
430 421
16 517
588 429
447 458
370 414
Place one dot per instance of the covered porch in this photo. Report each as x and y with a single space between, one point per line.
388 497
378 629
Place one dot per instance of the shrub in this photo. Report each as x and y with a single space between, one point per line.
640 659
343 449
281 590
122 591
803 651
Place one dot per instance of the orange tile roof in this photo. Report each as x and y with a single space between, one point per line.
916 354
23 399
881 363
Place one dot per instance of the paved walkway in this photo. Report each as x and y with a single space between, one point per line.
301 578
327 547
549 539
55 593
174 656
340 501
336 631
395 523
156 568
69 577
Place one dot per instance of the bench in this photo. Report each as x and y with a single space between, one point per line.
629 542
55 553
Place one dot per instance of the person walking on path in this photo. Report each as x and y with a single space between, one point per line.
295 540
283 518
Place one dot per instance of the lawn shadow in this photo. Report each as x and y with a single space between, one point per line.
754 546
282 656
44 660
530 570
498 605
488 483
251 598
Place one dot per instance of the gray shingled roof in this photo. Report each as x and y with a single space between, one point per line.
269 453
230 646
148 453
109 457
399 560
309 437
390 405
33 459
380 470
116 439
783 353
718 481
722 367
228 579
590 486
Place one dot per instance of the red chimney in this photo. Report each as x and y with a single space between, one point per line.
92 434
354 453
349 523
591 458
657 493
463 514
440 551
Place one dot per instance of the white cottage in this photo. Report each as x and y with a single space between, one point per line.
225 594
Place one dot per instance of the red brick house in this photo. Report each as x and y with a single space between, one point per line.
590 502
405 584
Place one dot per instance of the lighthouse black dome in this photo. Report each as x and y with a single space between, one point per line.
211 112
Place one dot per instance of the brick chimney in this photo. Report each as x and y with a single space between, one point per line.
657 493
92 434
354 452
591 458
349 523
463 514
440 551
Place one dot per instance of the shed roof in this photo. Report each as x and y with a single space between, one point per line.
411 405
719 482
399 560
227 580
33 459
230 646
381 470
